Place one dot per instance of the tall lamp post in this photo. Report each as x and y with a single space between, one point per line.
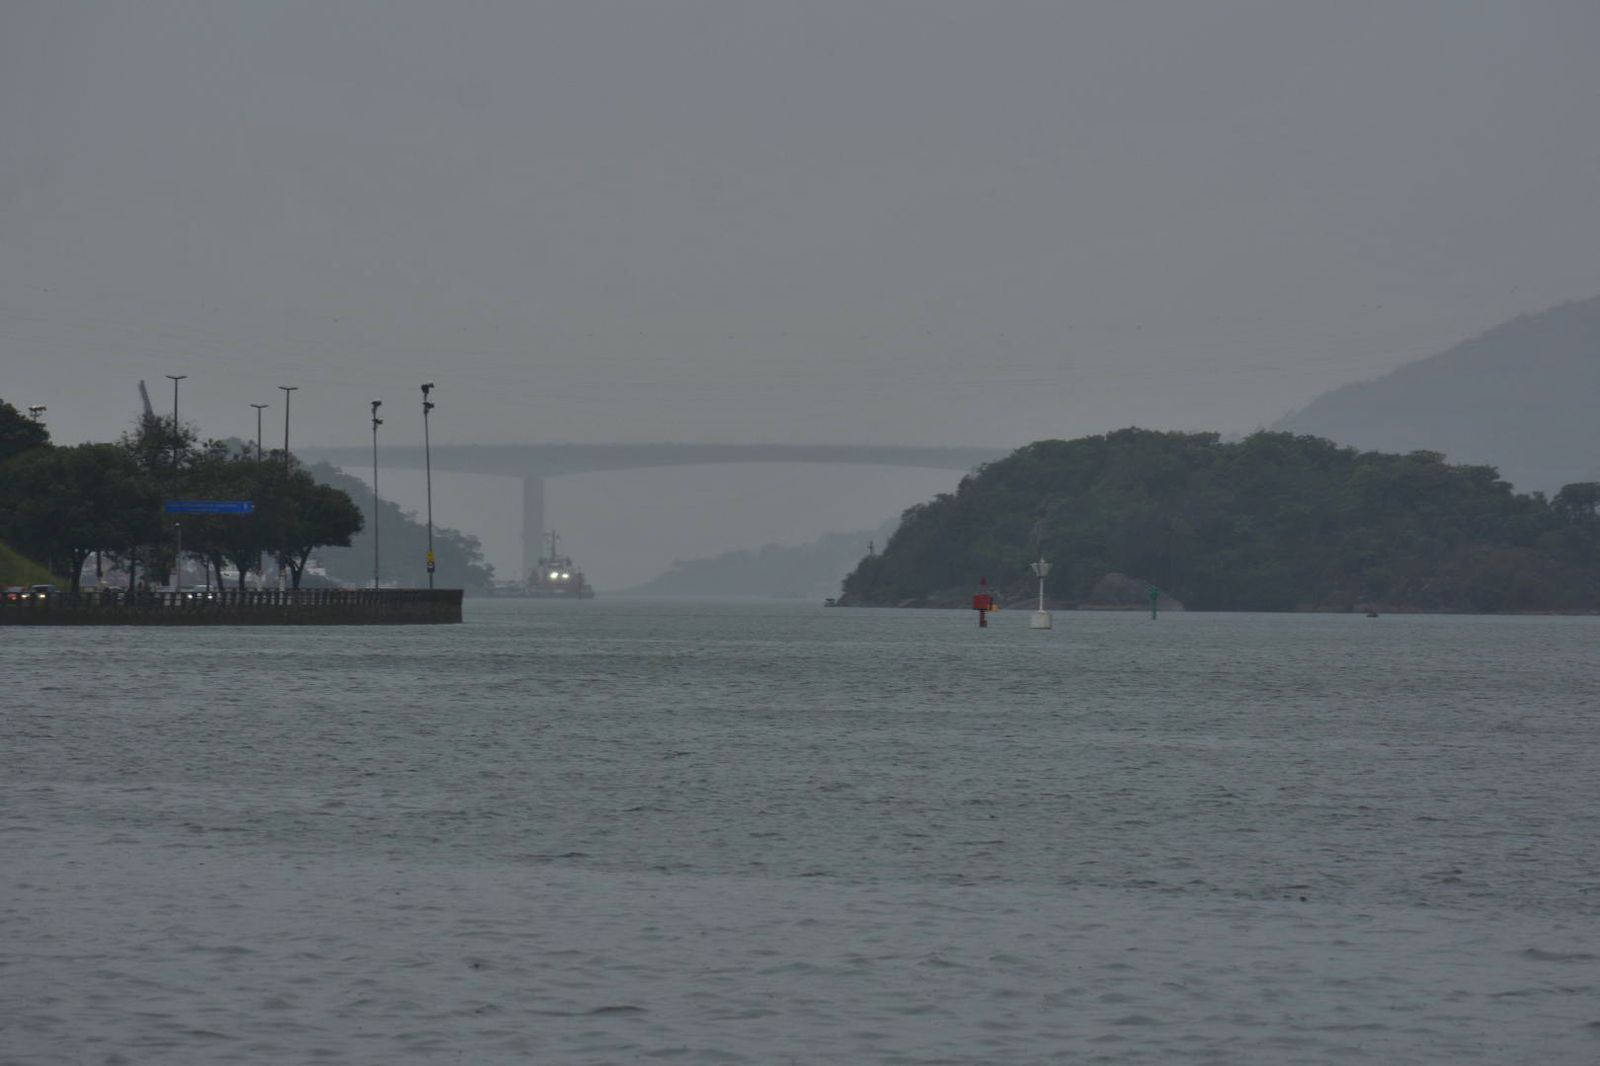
261 554
376 422
176 436
287 389
259 408
35 410
177 439
427 464
175 378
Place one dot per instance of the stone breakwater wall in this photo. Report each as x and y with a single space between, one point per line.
306 607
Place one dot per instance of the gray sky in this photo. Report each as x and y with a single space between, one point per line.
926 222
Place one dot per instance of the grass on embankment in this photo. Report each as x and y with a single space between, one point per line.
18 569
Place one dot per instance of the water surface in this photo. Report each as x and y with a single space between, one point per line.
610 832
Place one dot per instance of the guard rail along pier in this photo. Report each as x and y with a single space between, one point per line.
233 607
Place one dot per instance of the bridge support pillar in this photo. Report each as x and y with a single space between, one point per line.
532 524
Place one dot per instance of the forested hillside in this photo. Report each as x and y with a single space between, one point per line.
403 542
1273 522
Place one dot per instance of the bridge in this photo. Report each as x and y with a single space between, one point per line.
535 462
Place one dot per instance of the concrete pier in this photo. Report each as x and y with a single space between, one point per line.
308 607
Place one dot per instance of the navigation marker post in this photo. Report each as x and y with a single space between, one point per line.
1041 617
376 422
427 405
983 602
1155 594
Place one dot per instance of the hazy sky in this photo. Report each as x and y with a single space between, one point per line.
920 222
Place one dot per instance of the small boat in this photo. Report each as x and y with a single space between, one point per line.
556 577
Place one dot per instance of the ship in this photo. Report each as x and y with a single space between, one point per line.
555 576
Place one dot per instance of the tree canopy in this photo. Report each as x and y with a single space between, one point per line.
1272 522
61 504
19 433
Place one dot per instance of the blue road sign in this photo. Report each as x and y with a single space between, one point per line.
209 507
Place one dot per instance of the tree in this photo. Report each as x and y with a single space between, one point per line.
1577 503
65 503
160 447
222 472
297 515
18 433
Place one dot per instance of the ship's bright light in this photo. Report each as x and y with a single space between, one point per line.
555 575
565 576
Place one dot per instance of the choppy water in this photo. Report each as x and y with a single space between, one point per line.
606 832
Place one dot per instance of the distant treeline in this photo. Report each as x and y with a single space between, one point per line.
61 505
1275 522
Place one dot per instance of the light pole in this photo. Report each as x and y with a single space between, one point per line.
376 422
255 523
287 389
177 439
36 409
177 436
259 408
427 463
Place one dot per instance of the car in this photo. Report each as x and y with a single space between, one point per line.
189 592
43 592
14 593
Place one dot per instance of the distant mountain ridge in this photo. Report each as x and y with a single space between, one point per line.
1520 397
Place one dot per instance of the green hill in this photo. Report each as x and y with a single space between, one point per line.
17 569
1520 396
1273 522
404 542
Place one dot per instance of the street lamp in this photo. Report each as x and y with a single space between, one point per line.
261 564
177 441
259 408
36 409
177 436
427 463
376 422
287 389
